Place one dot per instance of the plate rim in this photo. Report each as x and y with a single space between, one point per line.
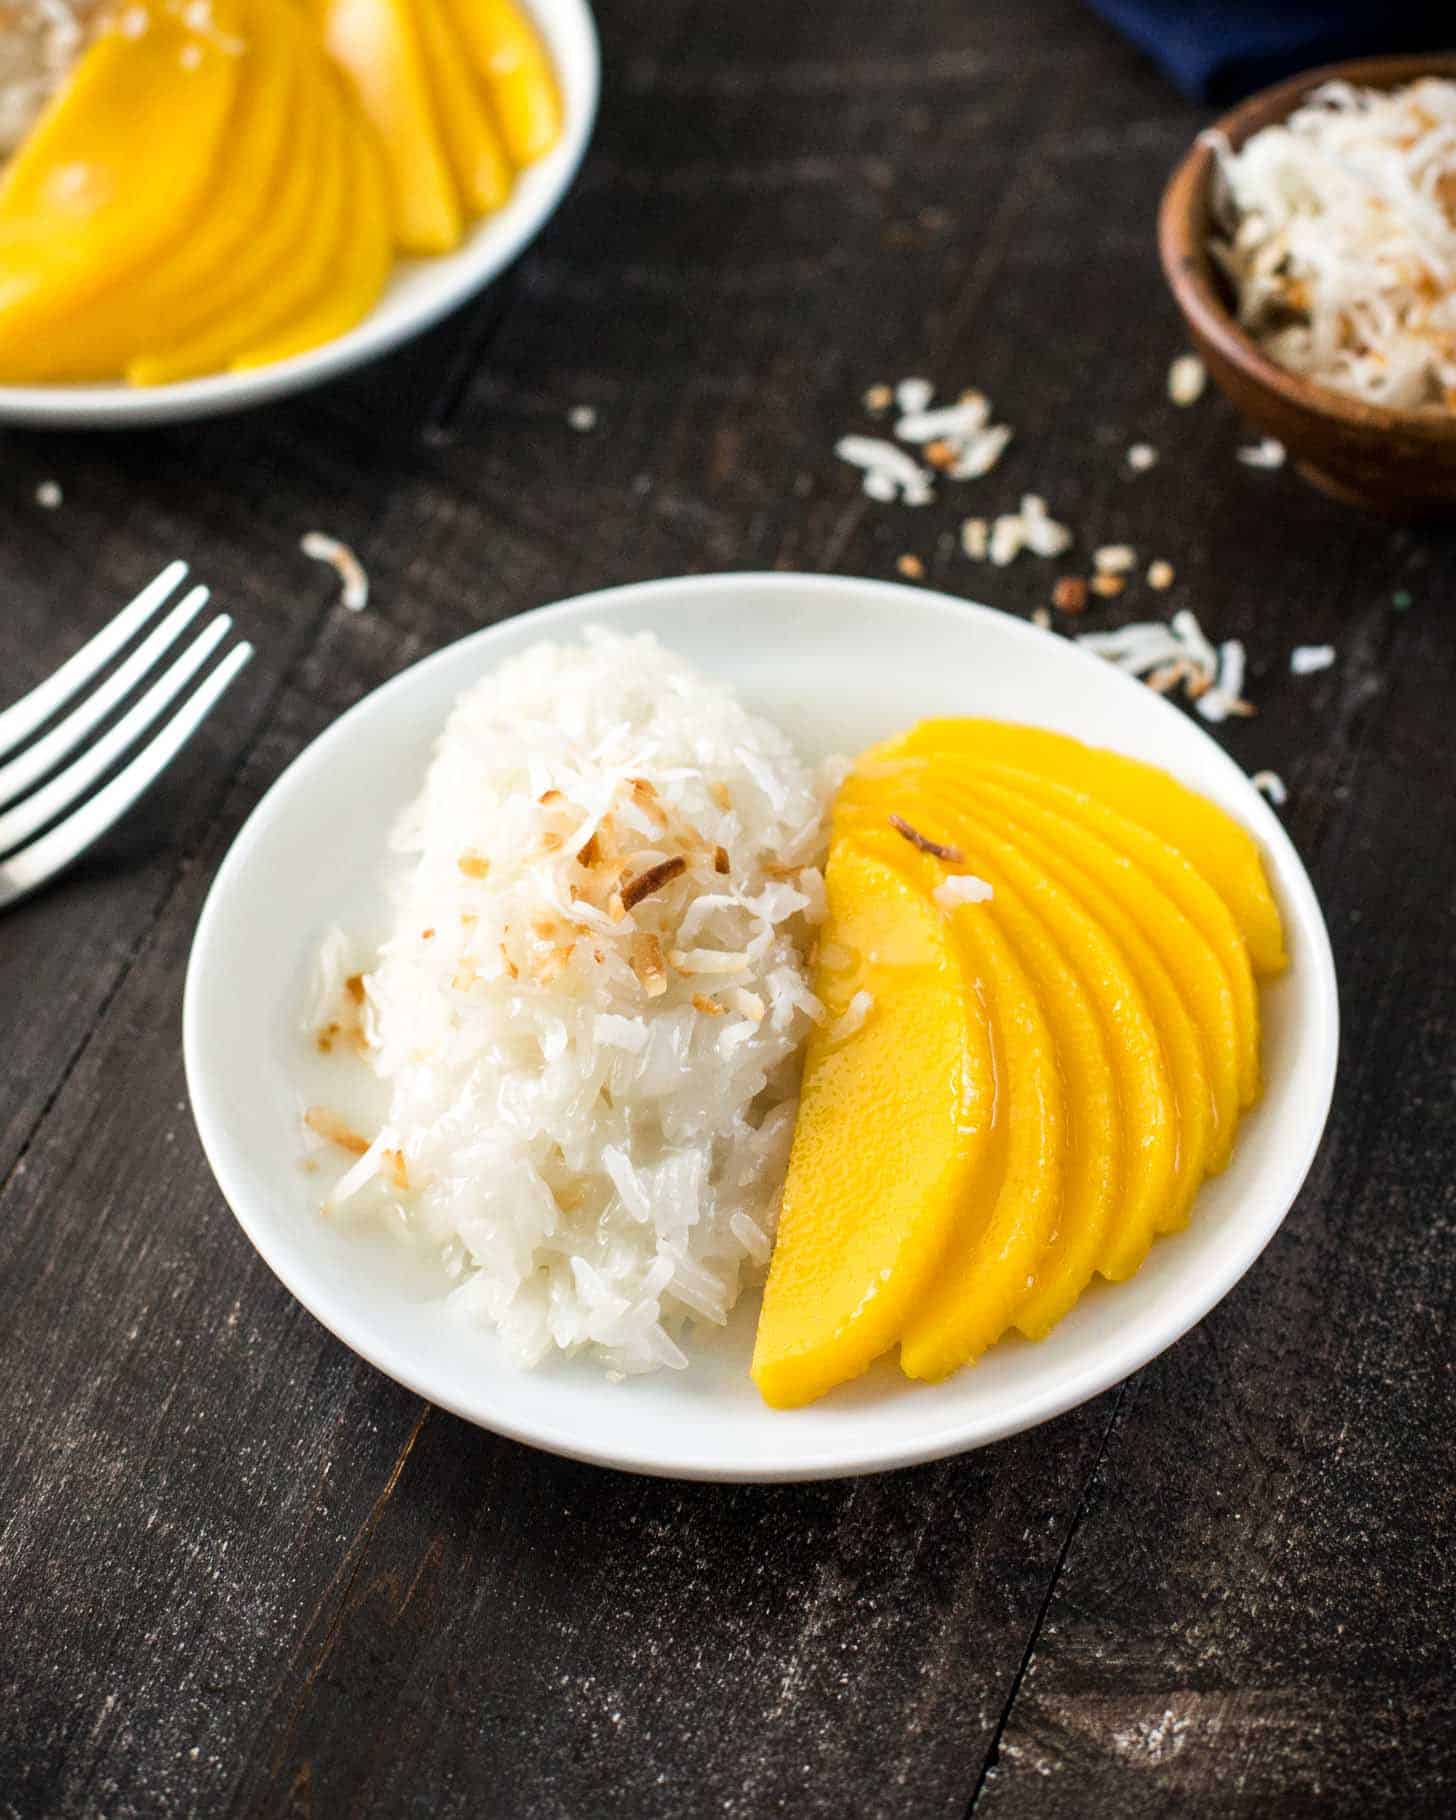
1107 1368
488 249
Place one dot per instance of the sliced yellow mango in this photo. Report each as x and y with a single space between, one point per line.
1146 1093
1227 856
353 285
1007 1222
173 294
378 43
884 1156
1182 881
302 250
477 154
1191 962
117 168
512 63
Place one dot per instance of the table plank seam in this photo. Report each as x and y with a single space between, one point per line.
1039 1622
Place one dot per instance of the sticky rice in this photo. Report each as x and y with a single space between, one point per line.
591 1011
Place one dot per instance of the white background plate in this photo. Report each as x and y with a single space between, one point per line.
420 292
838 664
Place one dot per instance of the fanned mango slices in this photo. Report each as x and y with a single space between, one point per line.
212 189
1108 983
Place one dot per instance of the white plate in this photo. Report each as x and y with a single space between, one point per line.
837 663
420 292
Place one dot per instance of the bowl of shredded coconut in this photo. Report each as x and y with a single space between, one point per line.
1309 238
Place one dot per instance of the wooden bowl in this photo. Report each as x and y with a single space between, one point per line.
1402 463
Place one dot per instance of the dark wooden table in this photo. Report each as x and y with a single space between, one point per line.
240 1571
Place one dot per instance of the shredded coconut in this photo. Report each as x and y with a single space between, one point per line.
345 564
1338 234
49 497
1305 660
1272 785
1176 655
889 473
1142 456
1268 452
1186 379
962 888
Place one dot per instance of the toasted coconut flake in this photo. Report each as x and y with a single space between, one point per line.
333 1128
645 959
354 986
721 794
345 564
473 864
911 567
720 860
878 399
708 1006
511 969
745 1003
1160 575
590 853
398 1172
427 935
952 855
1107 586
653 879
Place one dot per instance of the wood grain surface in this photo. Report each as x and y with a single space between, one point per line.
243 1574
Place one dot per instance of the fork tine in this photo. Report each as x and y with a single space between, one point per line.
21 718
40 861
47 752
32 813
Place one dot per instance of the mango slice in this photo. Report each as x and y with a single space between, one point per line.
354 283
1190 961
378 44
117 169
1004 1229
1226 855
1177 876
477 154
304 249
174 294
884 1156
1150 1181
512 63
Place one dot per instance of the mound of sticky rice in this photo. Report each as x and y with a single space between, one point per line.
592 1008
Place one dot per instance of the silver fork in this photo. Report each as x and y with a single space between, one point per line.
38 837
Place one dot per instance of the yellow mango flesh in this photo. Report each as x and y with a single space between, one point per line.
1190 961
476 151
115 172
512 64
1226 855
1003 1231
884 1155
173 295
378 43
304 245
1149 1175
355 280
1178 877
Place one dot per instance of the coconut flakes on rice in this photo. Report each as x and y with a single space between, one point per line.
591 1035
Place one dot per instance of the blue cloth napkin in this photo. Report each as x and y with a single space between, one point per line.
1221 50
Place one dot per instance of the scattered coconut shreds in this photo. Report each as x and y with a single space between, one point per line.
1032 528
962 888
1179 654
48 496
582 417
950 423
1107 585
878 399
974 535
910 567
1305 660
1114 559
912 395
1142 456
952 855
1160 575
345 564
889 473
1041 618
981 452
1070 594
1272 785
1186 379
1268 452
